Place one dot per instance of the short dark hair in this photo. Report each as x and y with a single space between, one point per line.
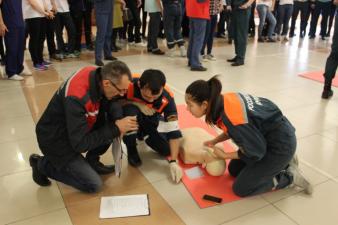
113 71
153 79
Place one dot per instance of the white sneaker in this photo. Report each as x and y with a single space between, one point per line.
141 44
204 58
183 51
171 52
2 72
211 57
16 78
26 72
298 177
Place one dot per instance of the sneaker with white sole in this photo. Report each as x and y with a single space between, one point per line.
211 57
16 77
298 178
183 51
204 58
171 52
140 44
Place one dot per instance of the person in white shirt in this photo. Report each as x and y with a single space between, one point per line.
284 13
264 11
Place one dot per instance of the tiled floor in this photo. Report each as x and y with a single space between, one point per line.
270 71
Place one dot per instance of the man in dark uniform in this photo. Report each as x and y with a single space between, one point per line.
12 27
156 112
83 116
241 10
332 61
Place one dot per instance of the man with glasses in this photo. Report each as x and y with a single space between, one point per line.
82 117
155 108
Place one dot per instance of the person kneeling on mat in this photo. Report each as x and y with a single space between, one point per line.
83 116
266 139
154 105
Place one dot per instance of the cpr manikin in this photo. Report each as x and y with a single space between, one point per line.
192 150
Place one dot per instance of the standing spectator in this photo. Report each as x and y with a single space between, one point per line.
224 18
35 13
134 25
155 9
215 8
241 10
12 27
172 22
87 22
284 13
63 19
311 10
252 25
198 13
264 12
119 5
331 18
302 7
322 7
332 61
50 30
104 19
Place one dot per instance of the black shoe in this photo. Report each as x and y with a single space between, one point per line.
301 35
158 52
230 41
133 157
55 57
261 40
100 168
323 38
200 68
38 177
110 58
237 63
312 36
327 94
232 60
99 63
271 40
90 47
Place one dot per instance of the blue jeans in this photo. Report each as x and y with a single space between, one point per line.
76 173
265 13
284 14
196 38
103 35
209 34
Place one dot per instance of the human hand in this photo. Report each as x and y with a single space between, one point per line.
138 3
3 29
229 7
176 172
244 6
313 6
210 143
335 2
144 109
126 124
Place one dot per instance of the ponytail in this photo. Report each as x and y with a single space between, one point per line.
209 91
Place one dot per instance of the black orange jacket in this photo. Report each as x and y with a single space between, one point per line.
66 127
247 120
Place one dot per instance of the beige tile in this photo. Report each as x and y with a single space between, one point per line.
321 208
320 152
13 104
87 212
57 217
15 155
17 128
331 133
313 175
266 215
181 201
21 198
131 178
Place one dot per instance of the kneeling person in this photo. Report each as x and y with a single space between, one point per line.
155 108
82 117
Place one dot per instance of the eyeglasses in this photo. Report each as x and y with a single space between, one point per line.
118 89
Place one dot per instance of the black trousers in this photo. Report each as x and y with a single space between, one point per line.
148 130
65 20
239 25
50 36
302 8
224 18
80 18
252 25
37 34
2 51
153 29
134 25
332 60
331 18
322 8
270 172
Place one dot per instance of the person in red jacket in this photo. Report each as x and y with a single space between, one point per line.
83 116
198 13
